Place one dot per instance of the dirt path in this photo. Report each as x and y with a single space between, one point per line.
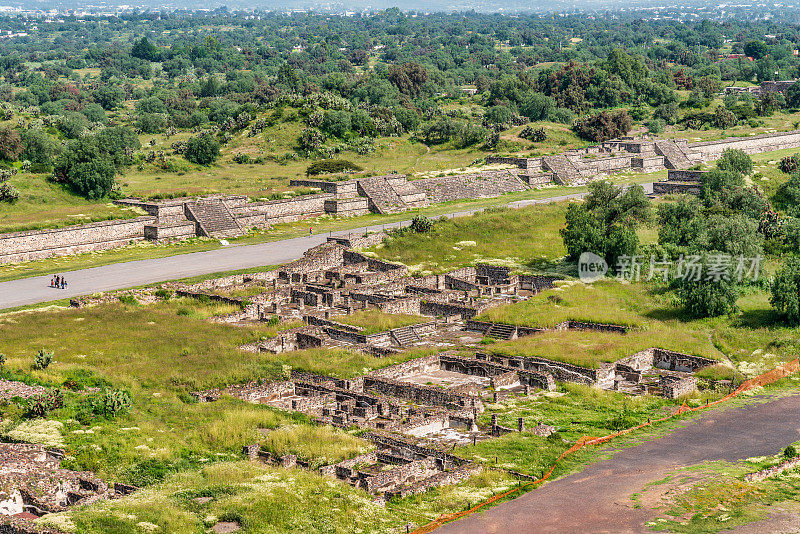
598 499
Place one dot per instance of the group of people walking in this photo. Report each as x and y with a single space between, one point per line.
58 282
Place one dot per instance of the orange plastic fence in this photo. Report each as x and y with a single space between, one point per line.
761 380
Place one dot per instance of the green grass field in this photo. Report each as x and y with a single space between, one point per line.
374 321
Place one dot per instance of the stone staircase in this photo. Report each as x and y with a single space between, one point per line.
564 170
382 197
501 331
213 218
405 336
674 158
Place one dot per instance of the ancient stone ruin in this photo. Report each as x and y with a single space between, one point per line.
33 484
426 403
227 216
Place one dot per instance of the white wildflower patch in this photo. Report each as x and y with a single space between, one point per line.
463 244
369 253
41 431
147 527
61 521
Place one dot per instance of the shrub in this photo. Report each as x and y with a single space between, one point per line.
2 360
331 166
785 290
41 405
128 299
536 135
735 161
561 115
603 126
241 158
202 150
43 359
790 452
165 294
789 164
421 224
8 193
10 143
656 126
111 402
311 139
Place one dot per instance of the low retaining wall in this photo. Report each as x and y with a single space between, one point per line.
712 150
775 470
677 175
35 245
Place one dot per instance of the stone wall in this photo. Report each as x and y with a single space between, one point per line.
479 185
775 470
522 163
417 365
676 188
288 210
359 241
430 395
712 150
347 207
674 387
342 189
677 361
34 245
678 175
438 309
445 478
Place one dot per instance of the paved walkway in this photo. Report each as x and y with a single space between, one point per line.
136 273
598 499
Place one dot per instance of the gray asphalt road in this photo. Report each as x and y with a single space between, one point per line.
135 273
598 498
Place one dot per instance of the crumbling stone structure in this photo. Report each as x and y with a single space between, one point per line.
32 482
227 216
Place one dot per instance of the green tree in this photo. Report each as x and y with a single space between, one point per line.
85 169
785 290
756 49
734 160
537 106
679 222
407 117
498 115
311 139
151 123
707 298
144 49
10 143
736 235
109 96
336 123
793 96
606 222
723 118
603 126
408 78
202 150
788 195
95 113
118 143
39 148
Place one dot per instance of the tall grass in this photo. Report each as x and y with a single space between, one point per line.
522 238
374 321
